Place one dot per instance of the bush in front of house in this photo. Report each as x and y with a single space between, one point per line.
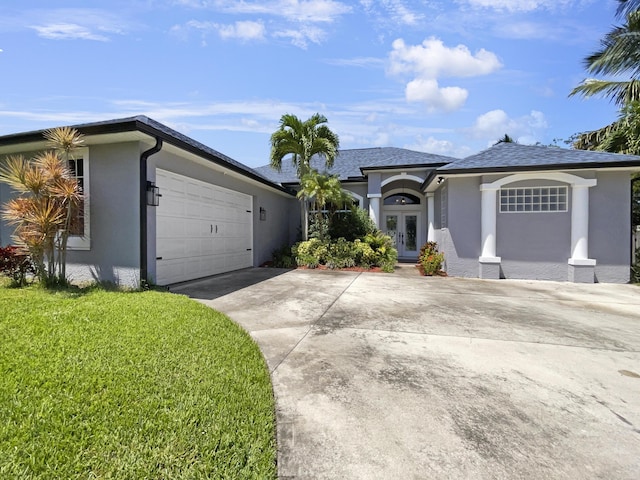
430 258
351 225
16 264
373 250
283 257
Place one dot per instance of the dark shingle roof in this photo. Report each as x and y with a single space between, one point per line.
151 127
513 156
348 163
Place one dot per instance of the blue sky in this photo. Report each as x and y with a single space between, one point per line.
447 77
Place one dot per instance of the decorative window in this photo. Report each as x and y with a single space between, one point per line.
402 199
533 199
79 232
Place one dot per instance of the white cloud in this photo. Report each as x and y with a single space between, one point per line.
362 62
68 31
301 37
437 98
244 30
521 5
439 147
305 11
496 123
395 12
431 60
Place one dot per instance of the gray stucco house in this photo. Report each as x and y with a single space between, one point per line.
512 211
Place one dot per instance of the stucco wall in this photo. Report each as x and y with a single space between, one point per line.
114 218
534 245
460 237
610 226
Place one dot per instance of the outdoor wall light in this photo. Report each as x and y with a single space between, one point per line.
153 194
263 214
440 180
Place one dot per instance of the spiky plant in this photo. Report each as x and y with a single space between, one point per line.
48 196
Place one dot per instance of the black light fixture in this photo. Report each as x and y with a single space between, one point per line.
153 194
440 180
263 214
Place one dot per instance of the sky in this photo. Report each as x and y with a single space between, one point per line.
445 77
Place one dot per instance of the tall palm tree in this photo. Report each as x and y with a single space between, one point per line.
321 189
619 56
302 140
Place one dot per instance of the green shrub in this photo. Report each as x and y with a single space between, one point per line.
364 255
351 225
430 258
310 253
283 258
635 268
341 254
385 254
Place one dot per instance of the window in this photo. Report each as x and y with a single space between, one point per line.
443 207
402 199
79 234
533 199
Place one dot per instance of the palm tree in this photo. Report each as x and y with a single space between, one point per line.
619 56
505 139
321 189
302 140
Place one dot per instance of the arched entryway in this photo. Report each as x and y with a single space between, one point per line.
403 220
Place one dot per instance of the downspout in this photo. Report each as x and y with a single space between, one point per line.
144 266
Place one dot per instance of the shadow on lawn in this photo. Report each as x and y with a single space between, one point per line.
210 288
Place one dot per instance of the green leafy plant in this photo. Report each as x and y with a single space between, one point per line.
283 257
311 253
635 268
341 254
385 254
16 264
430 258
351 225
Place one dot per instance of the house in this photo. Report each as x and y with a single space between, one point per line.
512 211
214 214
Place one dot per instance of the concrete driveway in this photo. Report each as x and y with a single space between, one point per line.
396 376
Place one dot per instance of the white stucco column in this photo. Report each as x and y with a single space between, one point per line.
431 230
374 207
580 223
488 224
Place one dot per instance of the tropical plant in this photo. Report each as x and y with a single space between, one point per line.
430 259
48 198
16 264
621 136
505 139
321 189
302 140
352 224
619 56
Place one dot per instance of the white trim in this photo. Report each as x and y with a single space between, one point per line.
573 180
582 262
374 195
490 259
403 176
360 198
76 242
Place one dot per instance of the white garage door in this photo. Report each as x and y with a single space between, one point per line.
201 229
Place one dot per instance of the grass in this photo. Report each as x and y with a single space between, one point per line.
139 385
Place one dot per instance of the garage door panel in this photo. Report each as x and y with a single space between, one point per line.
202 229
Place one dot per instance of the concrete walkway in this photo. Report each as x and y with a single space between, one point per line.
396 376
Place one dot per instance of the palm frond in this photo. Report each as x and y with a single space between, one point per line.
65 139
620 92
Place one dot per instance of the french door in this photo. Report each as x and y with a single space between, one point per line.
403 229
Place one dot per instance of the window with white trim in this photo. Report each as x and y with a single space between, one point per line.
79 237
533 199
443 207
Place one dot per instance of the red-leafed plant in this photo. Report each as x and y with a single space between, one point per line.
16 264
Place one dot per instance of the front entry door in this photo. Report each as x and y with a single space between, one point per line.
403 229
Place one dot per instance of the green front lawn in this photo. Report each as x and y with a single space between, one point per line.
103 384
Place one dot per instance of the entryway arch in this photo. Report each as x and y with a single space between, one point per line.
403 217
